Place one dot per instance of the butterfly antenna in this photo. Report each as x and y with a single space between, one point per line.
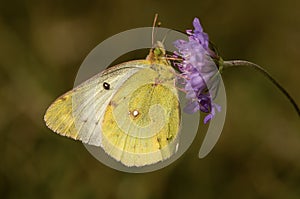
163 41
153 26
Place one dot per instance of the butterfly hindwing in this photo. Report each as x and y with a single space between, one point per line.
141 123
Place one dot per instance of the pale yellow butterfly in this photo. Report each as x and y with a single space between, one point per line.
131 110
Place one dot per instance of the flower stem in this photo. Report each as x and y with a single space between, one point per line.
239 63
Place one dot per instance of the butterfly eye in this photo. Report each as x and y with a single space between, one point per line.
157 52
106 86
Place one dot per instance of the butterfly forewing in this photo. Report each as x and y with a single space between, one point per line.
77 113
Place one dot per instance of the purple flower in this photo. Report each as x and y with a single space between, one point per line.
198 71
198 34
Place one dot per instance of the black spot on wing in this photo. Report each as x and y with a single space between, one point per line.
106 86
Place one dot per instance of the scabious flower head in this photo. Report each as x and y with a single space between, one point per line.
198 71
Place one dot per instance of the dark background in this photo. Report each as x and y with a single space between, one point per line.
42 44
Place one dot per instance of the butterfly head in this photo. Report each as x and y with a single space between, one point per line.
157 53
159 50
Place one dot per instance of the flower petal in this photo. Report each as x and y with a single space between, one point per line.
197 25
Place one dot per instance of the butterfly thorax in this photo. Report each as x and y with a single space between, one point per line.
159 62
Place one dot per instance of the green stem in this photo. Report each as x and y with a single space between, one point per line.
239 63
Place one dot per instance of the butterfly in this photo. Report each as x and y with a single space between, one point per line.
130 110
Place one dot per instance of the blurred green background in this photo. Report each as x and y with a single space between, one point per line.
42 44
